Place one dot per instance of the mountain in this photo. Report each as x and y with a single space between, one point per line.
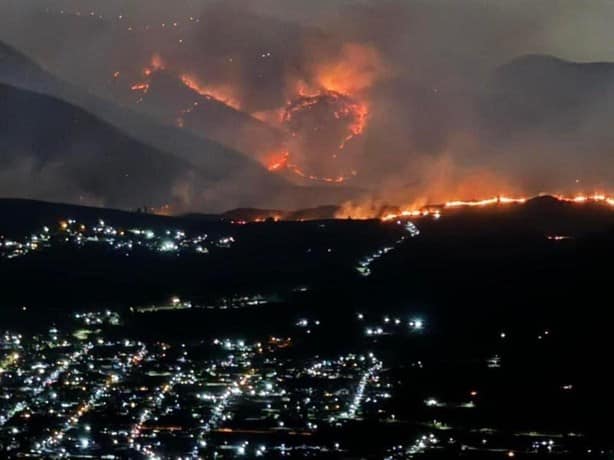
551 96
251 214
52 149
172 102
538 217
215 177
126 52
17 69
551 78
20 217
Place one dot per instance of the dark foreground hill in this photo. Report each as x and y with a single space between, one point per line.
533 245
20 217
53 149
265 257
542 216
485 282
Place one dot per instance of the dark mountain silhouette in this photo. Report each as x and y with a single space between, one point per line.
251 214
20 217
52 149
539 217
216 177
18 70
172 102
552 97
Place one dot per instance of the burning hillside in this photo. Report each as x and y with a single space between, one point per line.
436 210
220 93
319 127
316 129
371 100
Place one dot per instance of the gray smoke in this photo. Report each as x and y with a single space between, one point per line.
453 106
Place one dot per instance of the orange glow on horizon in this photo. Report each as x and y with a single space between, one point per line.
485 202
493 201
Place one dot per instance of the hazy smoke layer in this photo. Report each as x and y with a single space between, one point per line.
402 101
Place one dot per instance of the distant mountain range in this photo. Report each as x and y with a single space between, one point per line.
51 148
542 214
209 159
552 99
63 143
206 175
173 103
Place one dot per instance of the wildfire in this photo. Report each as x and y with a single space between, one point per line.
222 93
327 108
281 161
358 125
331 100
584 198
278 162
352 71
142 87
155 64
336 118
485 202
436 211
345 109
162 210
332 180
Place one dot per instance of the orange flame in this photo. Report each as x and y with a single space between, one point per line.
484 202
222 93
348 74
299 172
155 64
498 200
354 70
277 161
358 126
142 86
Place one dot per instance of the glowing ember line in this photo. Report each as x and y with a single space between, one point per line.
486 202
299 172
143 87
358 126
499 200
219 93
281 162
